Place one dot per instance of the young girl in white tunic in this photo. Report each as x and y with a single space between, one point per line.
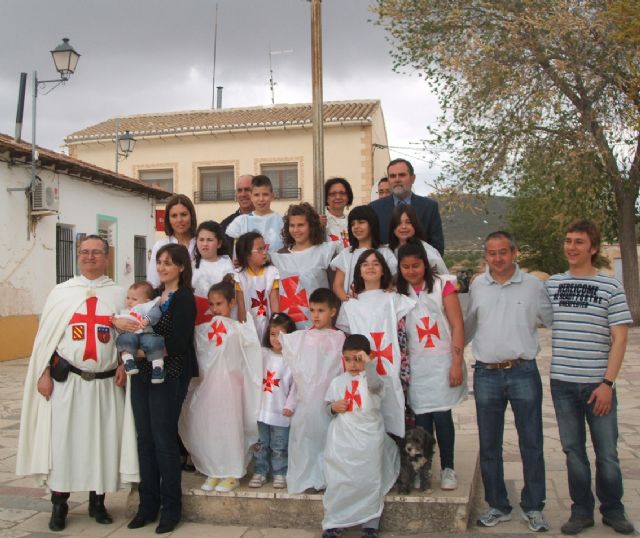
375 312
303 262
364 233
212 261
276 408
435 338
256 282
405 224
219 420
361 462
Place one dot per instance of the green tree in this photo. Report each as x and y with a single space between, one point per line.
512 74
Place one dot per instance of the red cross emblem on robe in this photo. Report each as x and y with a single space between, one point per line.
353 396
260 302
344 239
218 330
379 353
95 326
292 301
203 312
270 381
428 332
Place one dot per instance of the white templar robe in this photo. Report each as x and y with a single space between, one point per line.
346 262
429 342
301 273
83 438
219 420
255 292
210 273
314 357
375 314
361 462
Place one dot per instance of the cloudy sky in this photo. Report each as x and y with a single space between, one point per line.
143 56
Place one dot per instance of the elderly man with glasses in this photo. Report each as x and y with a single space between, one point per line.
76 428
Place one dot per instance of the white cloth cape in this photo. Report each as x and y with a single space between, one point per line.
336 229
361 462
255 292
429 343
314 357
219 420
301 273
346 262
210 273
375 314
152 272
106 408
268 226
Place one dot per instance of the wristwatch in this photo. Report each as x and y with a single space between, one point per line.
609 383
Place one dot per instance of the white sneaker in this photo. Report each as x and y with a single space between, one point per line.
257 481
279 481
536 521
209 484
448 480
492 517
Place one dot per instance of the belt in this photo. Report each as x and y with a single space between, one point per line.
504 365
90 376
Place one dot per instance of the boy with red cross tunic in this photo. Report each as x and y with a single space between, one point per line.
77 431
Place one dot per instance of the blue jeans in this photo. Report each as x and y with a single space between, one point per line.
274 441
445 433
156 409
572 411
521 387
151 343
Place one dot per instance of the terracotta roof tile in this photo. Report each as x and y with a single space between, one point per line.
223 119
76 168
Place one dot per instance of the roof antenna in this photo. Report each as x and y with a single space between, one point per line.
272 83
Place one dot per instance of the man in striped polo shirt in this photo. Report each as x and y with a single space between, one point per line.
590 324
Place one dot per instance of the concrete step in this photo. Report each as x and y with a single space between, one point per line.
420 512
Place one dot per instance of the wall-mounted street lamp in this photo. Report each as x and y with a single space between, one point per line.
124 144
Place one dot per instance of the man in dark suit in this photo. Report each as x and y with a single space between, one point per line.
401 179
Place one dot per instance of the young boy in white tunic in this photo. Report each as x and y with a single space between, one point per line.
361 461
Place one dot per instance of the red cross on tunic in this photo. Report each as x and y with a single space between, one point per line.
353 395
292 301
203 312
344 239
260 302
428 332
379 353
269 382
92 320
218 330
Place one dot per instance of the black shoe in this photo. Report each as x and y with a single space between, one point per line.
619 524
576 524
368 532
137 522
97 509
332 533
58 517
166 525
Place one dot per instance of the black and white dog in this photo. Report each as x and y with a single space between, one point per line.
416 455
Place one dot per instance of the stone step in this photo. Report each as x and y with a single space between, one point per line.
420 512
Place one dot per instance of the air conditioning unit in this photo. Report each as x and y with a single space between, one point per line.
45 196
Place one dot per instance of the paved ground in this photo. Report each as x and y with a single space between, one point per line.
24 509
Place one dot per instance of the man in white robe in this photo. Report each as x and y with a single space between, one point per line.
77 434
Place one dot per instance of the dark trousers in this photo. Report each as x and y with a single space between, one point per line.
156 409
445 433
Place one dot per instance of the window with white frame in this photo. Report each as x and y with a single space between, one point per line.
284 178
216 183
161 178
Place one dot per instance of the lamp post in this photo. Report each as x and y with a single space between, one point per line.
124 144
65 59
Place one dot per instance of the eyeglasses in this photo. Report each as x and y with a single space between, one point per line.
94 253
337 193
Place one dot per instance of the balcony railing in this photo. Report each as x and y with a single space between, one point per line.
291 193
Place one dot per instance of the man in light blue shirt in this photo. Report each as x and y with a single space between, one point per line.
505 306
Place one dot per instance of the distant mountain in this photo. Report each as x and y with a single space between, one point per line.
467 220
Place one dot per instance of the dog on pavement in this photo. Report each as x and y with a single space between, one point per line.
416 455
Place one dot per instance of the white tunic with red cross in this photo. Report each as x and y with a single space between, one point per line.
375 314
301 273
255 291
361 462
278 389
429 342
